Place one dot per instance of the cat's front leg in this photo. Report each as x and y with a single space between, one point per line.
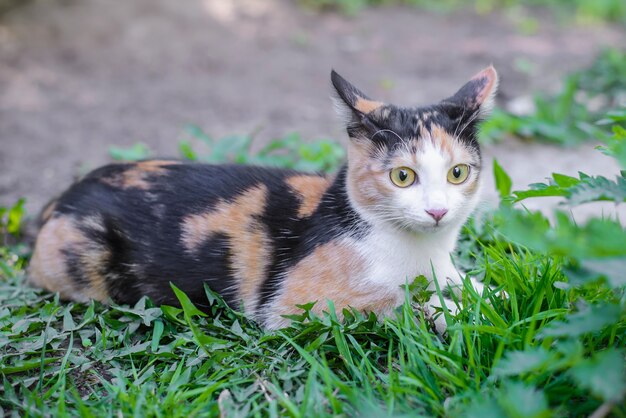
453 279
436 303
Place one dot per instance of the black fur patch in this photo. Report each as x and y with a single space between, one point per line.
142 229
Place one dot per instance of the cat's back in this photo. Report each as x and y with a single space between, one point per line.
127 230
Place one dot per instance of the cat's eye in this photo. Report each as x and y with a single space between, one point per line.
402 176
458 174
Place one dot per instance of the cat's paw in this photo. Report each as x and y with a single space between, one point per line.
455 286
435 315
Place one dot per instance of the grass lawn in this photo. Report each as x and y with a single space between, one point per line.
547 338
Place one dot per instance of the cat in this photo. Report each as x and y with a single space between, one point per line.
268 239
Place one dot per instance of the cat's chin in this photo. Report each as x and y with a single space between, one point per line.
430 229
416 227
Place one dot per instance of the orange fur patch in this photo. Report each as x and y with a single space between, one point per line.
49 265
137 175
368 183
471 189
366 106
331 272
310 189
249 241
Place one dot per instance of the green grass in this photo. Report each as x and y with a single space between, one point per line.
581 10
547 339
289 151
522 355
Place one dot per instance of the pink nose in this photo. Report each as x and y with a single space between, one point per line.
437 214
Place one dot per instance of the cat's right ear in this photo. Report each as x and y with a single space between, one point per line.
352 105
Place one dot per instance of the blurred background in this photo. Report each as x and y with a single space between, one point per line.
85 81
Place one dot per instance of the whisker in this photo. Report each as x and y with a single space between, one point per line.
386 130
472 119
459 124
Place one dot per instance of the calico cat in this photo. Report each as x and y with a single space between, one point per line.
269 239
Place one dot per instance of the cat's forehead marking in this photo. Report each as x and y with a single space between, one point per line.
310 190
440 137
437 139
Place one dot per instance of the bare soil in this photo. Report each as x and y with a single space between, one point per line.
79 76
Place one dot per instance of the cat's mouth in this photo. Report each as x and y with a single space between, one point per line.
414 224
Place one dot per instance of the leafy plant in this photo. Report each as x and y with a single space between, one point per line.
615 142
582 10
567 117
11 219
594 257
138 151
289 151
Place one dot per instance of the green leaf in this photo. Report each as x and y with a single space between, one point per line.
561 185
234 148
186 150
598 238
482 408
139 151
565 181
515 363
502 179
540 190
68 321
519 400
604 375
26 365
16 213
196 132
610 269
188 307
590 320
156 335
598 189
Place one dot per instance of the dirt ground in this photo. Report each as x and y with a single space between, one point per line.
79 76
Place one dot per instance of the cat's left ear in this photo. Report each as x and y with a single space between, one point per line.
352 105
478 94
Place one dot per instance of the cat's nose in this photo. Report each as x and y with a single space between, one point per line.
437 214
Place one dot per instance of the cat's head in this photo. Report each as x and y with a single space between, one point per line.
415 168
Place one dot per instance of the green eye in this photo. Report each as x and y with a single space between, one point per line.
402 176
458 174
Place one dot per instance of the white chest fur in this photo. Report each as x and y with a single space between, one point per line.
396 257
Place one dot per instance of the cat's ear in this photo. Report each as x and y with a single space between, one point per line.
478 94
352 105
